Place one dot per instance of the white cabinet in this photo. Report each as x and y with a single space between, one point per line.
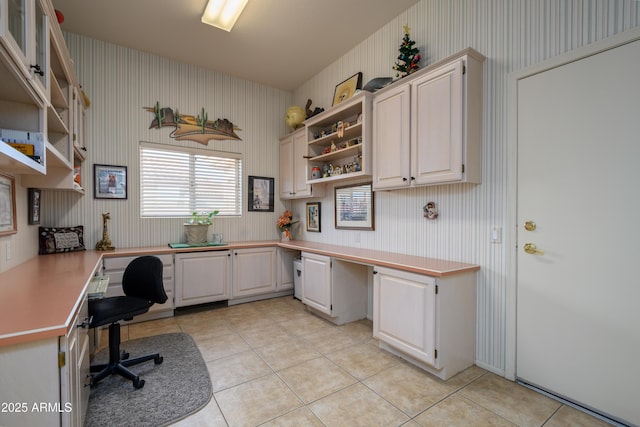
293 167
339 141
114 267
37 83
254 271
333 288
75 377
202 277
428 321
285 274
428 127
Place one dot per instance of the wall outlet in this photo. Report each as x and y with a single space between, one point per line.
356 237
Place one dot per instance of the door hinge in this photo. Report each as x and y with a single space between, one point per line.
463 168
62 359
464 69
435 353
436 289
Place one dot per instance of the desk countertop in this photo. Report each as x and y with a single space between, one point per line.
39 297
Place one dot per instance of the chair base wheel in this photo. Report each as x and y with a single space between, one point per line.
138 383
158 360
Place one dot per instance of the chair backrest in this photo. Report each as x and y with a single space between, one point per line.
143 279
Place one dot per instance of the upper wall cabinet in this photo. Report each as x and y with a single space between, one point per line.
293 167
427 128
339 141
40 111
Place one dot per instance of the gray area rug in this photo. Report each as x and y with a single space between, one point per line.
176 388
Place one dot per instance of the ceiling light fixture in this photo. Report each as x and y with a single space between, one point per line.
223 13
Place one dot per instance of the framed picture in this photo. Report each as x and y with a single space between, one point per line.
313 217
260 194
34 206
347 88
354 207
109 182
7 205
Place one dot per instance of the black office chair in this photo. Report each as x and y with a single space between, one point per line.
143 287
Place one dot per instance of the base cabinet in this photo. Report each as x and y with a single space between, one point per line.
335 289
285 277
254 271
115 267
428 321
202 277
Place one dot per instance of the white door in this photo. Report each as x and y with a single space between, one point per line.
578 316
316 282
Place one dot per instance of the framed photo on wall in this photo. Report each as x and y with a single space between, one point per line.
354 207
109 182
261 194
34 206
313 217
7 205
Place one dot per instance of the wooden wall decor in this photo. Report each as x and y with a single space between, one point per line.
198 128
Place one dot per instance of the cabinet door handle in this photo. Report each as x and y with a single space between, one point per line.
85 322
413 178
37 70
375 272
404 178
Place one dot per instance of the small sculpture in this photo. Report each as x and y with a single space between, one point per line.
430 211
105 243
308 111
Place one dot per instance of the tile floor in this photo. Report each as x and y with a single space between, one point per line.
273 363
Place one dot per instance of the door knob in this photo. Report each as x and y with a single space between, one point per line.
529 225
530 248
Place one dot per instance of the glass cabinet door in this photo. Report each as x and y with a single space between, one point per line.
17 23
39 67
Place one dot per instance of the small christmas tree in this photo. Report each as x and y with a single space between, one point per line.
409 56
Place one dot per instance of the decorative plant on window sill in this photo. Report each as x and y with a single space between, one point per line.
192 128
198 226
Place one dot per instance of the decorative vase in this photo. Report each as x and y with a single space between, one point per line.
285 235
294 117
196 233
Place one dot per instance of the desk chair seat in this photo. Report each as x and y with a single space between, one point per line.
143 287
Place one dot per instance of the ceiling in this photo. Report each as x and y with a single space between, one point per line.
280 43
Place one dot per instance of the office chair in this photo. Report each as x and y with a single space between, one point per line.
143 287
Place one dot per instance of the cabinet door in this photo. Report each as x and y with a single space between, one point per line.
285 279
316 282
404 312
286 168
254 271
202 277
391 140
300 187
436 125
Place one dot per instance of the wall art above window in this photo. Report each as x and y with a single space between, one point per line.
192 128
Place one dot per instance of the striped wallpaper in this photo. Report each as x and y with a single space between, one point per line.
512 34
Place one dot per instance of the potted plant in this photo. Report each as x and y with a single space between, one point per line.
198 226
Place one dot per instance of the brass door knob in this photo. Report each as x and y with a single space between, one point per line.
530 248
529 225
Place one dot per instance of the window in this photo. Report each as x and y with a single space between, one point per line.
176 181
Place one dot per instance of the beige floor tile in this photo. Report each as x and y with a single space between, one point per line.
361 330
209 416
458 411
363 360
236 369
298 418
356 405
264 335
518 404
221 346
288 352
466 377
329 340
153 327
257 401
408 388
315 379
306 325
206 330
567 416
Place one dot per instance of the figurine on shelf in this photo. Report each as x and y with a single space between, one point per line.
333 146
105 243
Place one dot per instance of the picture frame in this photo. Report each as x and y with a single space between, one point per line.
35 196
314 218
261 194
346 89
109 182
354 207
8 224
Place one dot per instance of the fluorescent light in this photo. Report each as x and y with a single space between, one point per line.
223 13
